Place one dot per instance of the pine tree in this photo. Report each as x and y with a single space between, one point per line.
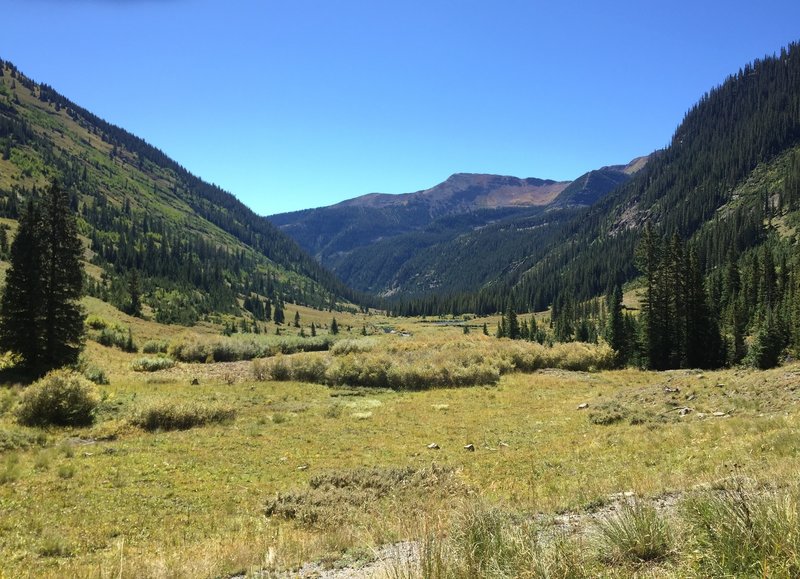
277 314
297 319
135 306
313 330
62 253
334 327
21 315
615 328
40 316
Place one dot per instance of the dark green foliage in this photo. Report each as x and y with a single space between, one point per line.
615 328
678 329
334 327
40 316
62 398
21 315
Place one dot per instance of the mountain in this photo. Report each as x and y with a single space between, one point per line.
728 182
400 244
195 248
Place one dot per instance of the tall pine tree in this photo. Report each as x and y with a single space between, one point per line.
40 316
21 316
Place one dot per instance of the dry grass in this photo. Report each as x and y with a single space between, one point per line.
115 500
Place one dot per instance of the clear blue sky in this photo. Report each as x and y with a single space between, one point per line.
302 103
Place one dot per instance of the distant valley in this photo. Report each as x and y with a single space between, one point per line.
376 242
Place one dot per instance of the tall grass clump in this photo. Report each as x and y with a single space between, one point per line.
61 398
115 336
147 364
236 348
637 534
737 531
155 347
485 541
174 416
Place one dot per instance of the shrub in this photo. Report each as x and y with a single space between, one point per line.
118 337
172 416
21 439
152 364
155 347
61 398
96 375
351 346
96 323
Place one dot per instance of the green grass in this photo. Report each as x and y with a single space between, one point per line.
116 498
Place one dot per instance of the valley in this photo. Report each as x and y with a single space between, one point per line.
190 389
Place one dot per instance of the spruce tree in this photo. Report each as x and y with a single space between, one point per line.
615 328
62 253
334 327
21 315
40 316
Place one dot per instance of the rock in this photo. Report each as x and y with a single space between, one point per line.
720 385
718 414
504 444
690 397
302 467
195 382
583 406
669 390
470 447
433 446
684 411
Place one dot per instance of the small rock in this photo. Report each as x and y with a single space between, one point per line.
684 411
470 447
669 390
195 382
504 444
690 397
718 414
701 415
720 385
283 458
433 446
302 467
583 406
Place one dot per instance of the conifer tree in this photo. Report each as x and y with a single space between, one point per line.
21 315
62 253
334 327
615 328
40 316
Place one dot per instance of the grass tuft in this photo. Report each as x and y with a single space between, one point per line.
636 534
173 416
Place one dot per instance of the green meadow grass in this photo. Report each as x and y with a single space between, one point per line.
118 499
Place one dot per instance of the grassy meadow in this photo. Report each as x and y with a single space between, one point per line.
213 469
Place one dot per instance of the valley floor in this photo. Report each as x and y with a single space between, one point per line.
307 472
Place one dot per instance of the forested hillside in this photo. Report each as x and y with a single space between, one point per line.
409 244
708 232
151 227
727 183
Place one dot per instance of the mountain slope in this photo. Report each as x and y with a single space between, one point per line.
141 211
695 188
456 236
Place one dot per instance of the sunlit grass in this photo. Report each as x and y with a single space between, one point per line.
115 499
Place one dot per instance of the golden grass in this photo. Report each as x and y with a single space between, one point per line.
113 499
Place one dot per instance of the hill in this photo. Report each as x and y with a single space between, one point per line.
400 244
195 248
727 183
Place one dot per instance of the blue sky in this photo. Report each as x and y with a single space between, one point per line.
304 103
